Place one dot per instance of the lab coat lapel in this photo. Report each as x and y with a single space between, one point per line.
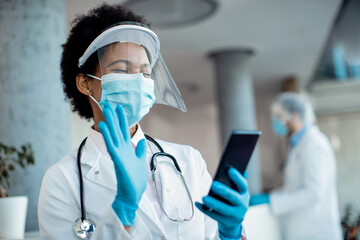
173 192
296 152
294 163
169 183
102 169
146 210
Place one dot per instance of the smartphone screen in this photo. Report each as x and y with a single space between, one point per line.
237 154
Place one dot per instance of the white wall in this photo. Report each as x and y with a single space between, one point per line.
344 133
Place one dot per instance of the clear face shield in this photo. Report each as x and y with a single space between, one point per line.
133 50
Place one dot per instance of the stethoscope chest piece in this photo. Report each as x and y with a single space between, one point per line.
83 229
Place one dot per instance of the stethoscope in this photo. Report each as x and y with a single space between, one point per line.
84 227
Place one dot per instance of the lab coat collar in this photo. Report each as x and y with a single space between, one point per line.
95 146
139 134
293 151
97 157
306 135
296 137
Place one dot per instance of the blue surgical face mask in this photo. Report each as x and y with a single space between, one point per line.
279 127
133 92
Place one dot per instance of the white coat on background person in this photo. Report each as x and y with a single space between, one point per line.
59 201
306 204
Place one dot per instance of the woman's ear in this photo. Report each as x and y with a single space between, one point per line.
83 84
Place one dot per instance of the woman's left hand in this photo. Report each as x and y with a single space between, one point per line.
129 163
229 217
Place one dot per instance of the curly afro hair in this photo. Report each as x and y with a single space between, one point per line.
85 28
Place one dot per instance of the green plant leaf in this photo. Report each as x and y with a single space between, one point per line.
11 167
7 182
21 163
5 174
10 156
10 150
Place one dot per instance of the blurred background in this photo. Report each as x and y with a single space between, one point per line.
229 58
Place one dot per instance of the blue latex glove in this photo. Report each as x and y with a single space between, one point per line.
259 199
229 217
129 163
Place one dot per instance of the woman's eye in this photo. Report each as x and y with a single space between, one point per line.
120 70
147 75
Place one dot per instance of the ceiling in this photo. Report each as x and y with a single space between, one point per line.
287 35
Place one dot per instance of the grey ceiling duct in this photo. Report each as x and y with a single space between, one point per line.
173 13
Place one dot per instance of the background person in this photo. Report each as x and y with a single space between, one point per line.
307 203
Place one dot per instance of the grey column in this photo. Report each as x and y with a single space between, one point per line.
32 106
236 101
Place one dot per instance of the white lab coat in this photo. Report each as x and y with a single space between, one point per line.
59 200
307 203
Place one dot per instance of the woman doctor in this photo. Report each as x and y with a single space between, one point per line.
117 185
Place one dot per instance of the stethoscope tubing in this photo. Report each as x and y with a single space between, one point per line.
82 205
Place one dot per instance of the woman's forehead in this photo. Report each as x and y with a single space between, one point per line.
131 52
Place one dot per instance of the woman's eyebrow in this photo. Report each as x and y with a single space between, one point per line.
117 61
146 65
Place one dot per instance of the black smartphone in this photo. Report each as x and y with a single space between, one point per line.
237 154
